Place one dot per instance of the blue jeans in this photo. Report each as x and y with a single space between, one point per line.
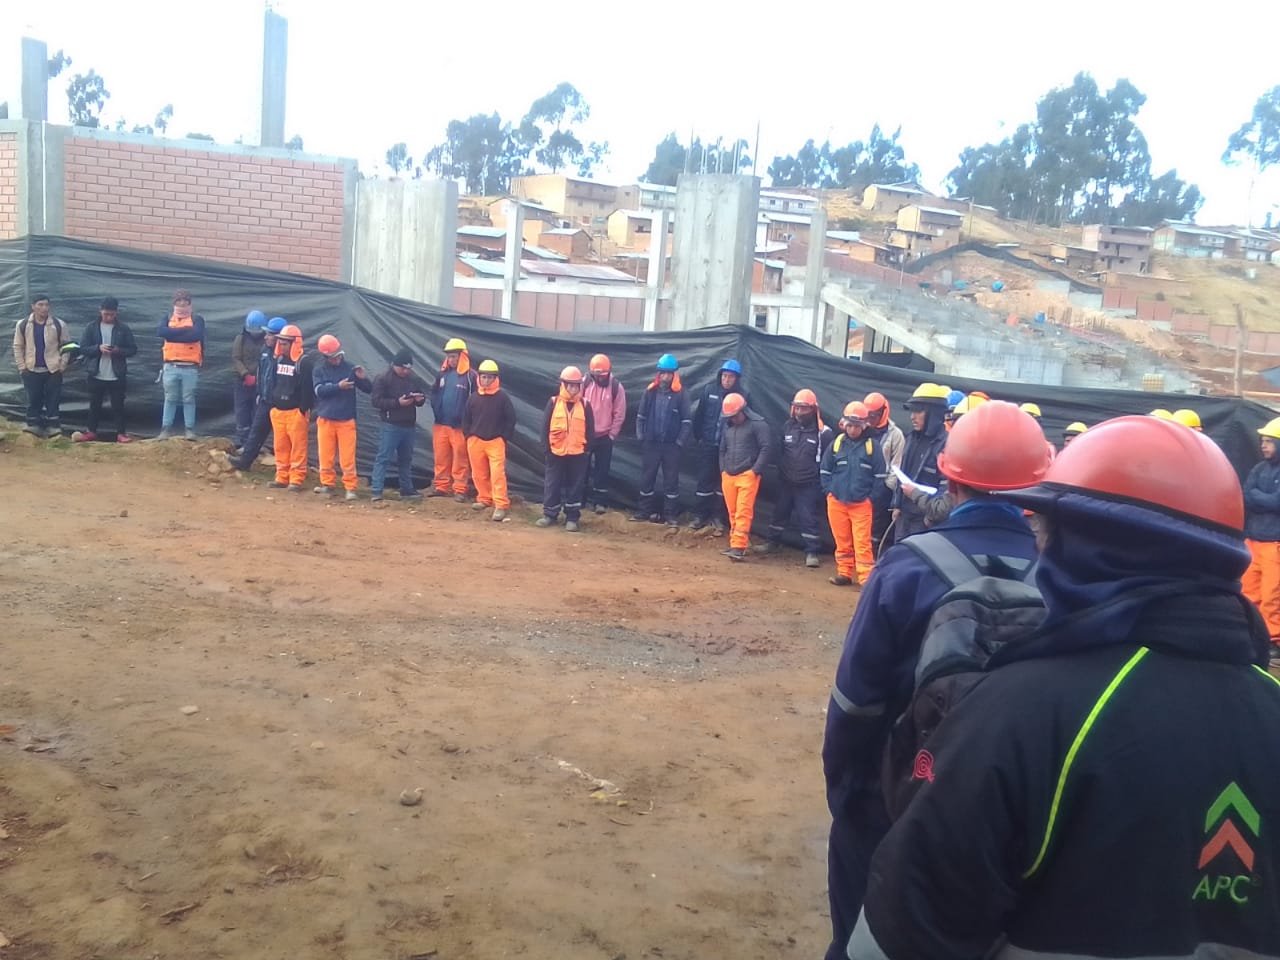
179 387
398 441
259 430
245 400
44 397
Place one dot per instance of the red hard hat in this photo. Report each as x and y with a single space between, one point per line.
733 405
600 364
1148 462
877 407
329 345
571 375
290 333
856 410
996 447
806 398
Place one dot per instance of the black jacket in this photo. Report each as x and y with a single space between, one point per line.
292 388
663 416
708 424
1262 502
387 391
745 446
489 416
800 459
1112 801
121 337
920 463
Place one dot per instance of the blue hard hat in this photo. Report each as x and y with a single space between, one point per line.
731 366
255 320
276 324
668 363
953 398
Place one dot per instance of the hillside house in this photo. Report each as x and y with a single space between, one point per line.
1118 249
891 197
1181 239
578 201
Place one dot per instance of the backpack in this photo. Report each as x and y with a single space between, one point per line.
991 601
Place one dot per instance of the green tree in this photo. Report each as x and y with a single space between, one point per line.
482 151
398 158
881 159
87 94
1258 139
294 142
547 131
669 158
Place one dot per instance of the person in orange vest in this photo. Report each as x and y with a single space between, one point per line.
1261 582
851 468
183 354
336 380
489 423
454 385
744 453
292 396
566 427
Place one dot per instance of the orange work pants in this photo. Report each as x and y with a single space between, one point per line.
851 527
489 470
290 428
740 501
337 437
450 449
1261 583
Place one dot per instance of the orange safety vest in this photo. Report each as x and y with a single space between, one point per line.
183 352
568 435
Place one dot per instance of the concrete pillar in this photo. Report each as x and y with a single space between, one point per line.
405 238
814 269
35 80
657 269
715 231
275 55
511 264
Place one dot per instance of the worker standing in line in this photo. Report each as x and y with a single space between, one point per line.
260 428
489 423
1261 582
1071 431
851 468
246 348
607 398
805 439
995 447
292 396
891 445
565 429
454 385
708 426
336 381
915 509
397 395
744 452
663 427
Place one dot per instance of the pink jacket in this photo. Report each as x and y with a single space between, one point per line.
608 406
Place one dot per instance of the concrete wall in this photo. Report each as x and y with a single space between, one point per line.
8 185
715 224
562 312
405 238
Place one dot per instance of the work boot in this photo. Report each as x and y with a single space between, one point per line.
164 434
600 510
478 505
295 488
839 580
637 518
32 429
86 436
736 554
277 485
697 523
718 528
766 548
188 435
673 524
499 515
351 495
571 526
811 560
460 497
726 551
375 498
413 497
323 491
545 522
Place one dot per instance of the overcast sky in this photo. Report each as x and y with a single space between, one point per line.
365 75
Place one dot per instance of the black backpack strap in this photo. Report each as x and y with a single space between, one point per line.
947 560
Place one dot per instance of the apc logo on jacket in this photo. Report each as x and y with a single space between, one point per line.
1228 822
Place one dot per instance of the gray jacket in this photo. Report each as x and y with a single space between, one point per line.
745 446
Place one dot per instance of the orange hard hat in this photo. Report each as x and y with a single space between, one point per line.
600 364
805 398
733 405
856 410
570 375
290 332
1128 460
878 407
996 447
329 345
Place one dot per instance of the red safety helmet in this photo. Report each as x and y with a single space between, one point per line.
878 408
733 405
570 375
856 410
600 364
806 398
329 345
996 447
1149 462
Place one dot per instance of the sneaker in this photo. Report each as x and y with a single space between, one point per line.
673 524
655 518
839 581
188 435
718 528
323 491
411 497
85 437
125 438
375 498
164 435
600 510
277 485
736 554
545 522
460 498
811 560
697 523
433 492
478 505
499 515
766 548
295 488
32 429
571 526
725 552
350 495
637 518
53 429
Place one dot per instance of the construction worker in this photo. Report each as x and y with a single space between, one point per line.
1189 419
915 509
663 427
566 426
1071 431
454 385
336 381
183 354
996 447
851 469
397 395
292 396
891 445
805 439
1261 582
708 426
1031 409
246 348
489 423
744 452
260 428
1032 833
1160 413
607 399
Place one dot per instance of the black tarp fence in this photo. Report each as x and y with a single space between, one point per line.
76 275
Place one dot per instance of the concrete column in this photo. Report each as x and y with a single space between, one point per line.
511 264
35 80
275 55
405 238
657 269
715 230
815 266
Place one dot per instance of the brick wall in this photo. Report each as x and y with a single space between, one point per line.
8 186
274 212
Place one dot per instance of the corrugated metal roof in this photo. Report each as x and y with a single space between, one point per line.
788 196
636 214
848 236
576 271
942 210
787 218
491 232
542 253
767 248
562 232
1191 228
772 264
897 187
484 268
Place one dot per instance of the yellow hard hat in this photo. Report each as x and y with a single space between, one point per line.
1076 427
455 344
488 366
1031 408
1188 418
1271 430
929 392
1160 413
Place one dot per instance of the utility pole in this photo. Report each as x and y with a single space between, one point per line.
1239 365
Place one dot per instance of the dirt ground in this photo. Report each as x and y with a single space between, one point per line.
616 735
